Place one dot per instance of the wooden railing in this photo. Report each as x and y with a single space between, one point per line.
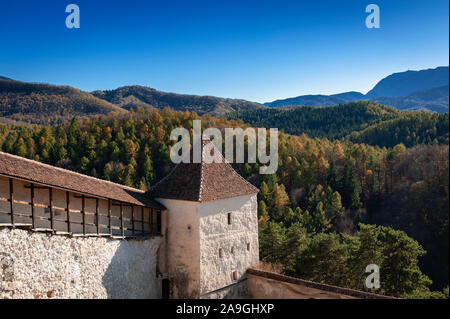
138 224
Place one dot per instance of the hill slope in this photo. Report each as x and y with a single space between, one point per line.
318 100
433 100
332 122
129 97
362 122
44 103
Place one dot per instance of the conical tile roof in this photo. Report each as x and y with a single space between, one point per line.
203 182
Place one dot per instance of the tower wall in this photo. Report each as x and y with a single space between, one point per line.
179 255
237 241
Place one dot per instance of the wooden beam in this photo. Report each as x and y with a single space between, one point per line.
50 200
68 210
11 200
83 213
96 216
32 206
142 220
123 204
121 221
85 196
132 220
109 217
151 220
37 187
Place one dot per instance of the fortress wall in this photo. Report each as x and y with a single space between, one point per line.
268 285
39 265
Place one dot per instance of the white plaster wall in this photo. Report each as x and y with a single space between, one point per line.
39 265
180 228
215 233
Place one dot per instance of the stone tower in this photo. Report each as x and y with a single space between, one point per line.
210 229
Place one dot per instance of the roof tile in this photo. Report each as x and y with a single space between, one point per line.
19 167
203 182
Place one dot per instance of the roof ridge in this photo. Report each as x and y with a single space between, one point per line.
162 179
239 175
71 172
203 181
226 162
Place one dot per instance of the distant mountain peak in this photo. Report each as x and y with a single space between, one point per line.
410 90
404 83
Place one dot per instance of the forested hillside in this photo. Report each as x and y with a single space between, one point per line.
130 97
362 122
318 100
48 104
314 213
37 103
432 100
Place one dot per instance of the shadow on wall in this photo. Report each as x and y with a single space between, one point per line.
131 273
237 290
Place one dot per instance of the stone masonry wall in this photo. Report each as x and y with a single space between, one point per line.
227 249
39 265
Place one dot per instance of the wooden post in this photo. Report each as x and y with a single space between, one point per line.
32 206
121 221
109 217
83 213
132 220
142 224
11 200
50 201
96 216
151 220
68 210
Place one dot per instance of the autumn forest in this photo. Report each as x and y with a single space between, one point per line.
337 202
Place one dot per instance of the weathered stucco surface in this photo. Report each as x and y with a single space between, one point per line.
38 265
235 291
265 288
238 241
181 246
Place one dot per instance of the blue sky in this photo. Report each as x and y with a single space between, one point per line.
256 50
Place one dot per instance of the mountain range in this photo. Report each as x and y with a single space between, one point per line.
22 102
426 90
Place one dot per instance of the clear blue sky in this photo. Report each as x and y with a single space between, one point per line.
256 50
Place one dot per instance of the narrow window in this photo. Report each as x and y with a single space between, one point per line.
158 221
220 252
229 218
232 250
235 275
248 246
165 288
